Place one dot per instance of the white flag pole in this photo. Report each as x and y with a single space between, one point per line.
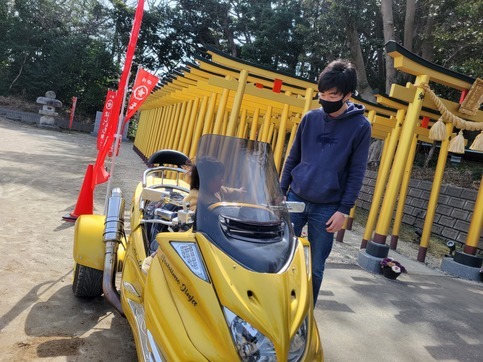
117 143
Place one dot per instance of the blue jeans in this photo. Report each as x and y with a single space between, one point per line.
321 241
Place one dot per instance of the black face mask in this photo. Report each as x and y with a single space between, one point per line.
331 107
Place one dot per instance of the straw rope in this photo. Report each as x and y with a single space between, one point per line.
450 117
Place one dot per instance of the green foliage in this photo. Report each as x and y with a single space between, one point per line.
132 129
41 53
325 35
458 35
275 40
77 48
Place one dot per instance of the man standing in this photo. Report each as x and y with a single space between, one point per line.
327 163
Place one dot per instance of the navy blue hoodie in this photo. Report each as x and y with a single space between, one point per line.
328 158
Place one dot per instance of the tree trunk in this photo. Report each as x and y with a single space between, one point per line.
229 36
409 24
427 48
19 72
375 152
388 26
356 55
430 155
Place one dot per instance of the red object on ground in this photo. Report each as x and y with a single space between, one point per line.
85 200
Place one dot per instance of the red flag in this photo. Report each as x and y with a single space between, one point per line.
100 174
106 115
143 85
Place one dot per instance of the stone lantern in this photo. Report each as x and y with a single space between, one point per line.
49 103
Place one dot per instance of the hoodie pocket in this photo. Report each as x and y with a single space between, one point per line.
327 185
315 184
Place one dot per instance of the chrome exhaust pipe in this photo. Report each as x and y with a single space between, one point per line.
113 233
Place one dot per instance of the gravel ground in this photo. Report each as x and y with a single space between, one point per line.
41 171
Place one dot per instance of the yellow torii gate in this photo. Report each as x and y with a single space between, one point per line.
382 125
414 96
227 96
230 98
421 134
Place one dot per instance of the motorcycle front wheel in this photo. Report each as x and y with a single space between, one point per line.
87 282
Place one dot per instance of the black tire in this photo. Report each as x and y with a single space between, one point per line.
87 282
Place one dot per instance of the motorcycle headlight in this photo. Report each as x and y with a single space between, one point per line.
298 343
251 344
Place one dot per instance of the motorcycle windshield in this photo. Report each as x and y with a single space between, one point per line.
240 206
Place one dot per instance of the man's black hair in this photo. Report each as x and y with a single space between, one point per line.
339 74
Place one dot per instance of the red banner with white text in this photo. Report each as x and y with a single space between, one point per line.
100 174
106 115
143 85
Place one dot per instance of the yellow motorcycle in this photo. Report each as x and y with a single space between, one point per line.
227 282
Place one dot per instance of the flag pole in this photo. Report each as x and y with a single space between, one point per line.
123 84
117 143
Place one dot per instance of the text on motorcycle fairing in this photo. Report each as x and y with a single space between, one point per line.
183 287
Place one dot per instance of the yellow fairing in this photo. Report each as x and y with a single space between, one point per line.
185 313
89 248
269 302
136 279
132 262
191 326
136 214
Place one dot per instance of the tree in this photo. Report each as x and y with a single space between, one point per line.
78 48
409 24
272 38
388 25
458 35
47 47
340 29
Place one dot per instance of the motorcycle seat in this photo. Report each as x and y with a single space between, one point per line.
167 157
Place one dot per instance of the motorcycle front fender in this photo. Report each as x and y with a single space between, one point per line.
89 247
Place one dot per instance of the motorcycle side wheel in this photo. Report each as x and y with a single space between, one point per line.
87 282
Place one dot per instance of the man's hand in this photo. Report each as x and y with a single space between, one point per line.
336 222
